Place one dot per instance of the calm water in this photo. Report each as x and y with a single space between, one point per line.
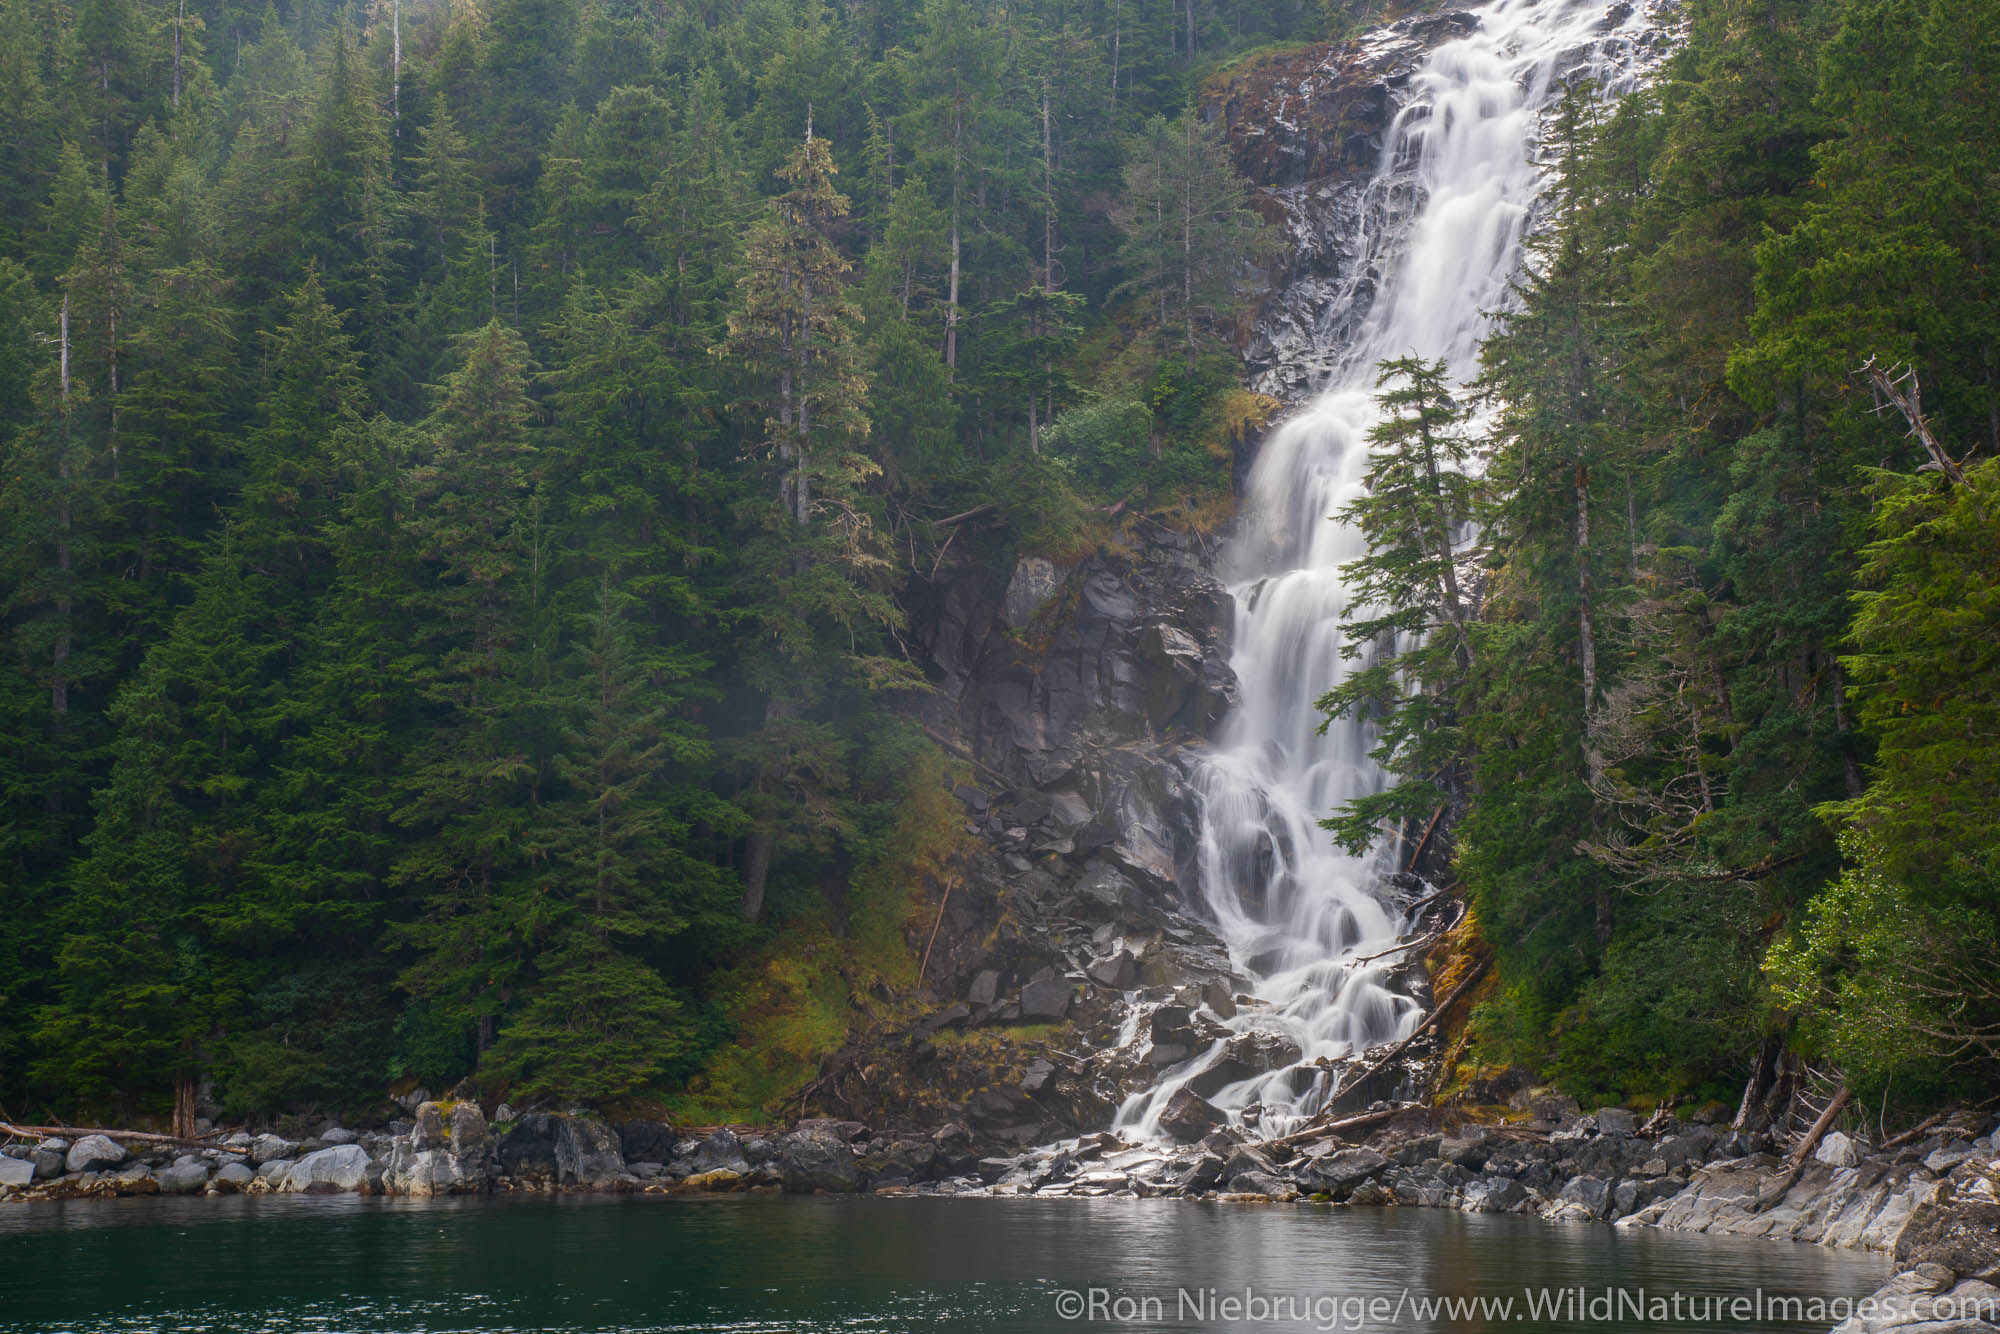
330 1265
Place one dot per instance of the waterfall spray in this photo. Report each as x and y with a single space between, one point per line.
1300 917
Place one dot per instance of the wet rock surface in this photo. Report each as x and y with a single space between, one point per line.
1308 127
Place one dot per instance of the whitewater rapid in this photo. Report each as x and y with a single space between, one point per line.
1300 917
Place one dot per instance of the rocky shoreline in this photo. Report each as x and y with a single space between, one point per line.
1933 1204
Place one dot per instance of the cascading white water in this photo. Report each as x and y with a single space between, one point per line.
1301 918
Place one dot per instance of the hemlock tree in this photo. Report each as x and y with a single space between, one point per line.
1408 616
470 784
1189 229
793 328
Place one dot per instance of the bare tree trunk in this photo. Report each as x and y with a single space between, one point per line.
1850 772
1049 279
1586 648
396 67
180 17
1117 38
957 207
756 872
1187 239
59 675
1454 604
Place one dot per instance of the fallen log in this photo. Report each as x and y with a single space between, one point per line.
140 1136
1369 1067
1312 1133
1771 1194
1914 1132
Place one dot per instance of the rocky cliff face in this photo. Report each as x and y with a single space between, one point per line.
1307 127
1083 695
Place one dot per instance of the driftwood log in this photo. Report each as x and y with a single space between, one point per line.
139 1136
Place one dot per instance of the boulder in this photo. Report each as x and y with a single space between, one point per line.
48 1162
1244 1056
1046 999
827 1127
1172 1025
16 1173
429 1131
1837 1150
337 1136
471 1140
720 1152
1493 1195
1616 1121
811 1162
234 1177
271 1148
1338 1173
134 1179
561 1150
1188 1116
94 1153
1117 971
1034 582
329 1171
985 988
646 1141
422 1172
185 1177
1266 1184
1590 1194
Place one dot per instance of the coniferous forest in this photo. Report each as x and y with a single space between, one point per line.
462 467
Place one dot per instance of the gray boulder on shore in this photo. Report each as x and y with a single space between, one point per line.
94 1153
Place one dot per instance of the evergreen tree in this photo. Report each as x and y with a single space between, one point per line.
470 782
1188 229
1408 614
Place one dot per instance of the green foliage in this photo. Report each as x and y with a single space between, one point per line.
1405 591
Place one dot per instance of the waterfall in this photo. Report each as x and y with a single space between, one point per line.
1446 212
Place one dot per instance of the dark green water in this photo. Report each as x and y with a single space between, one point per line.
332 1265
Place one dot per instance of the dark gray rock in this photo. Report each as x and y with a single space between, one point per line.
471 1140
1244 1056
1590 1194
184 1178
429 1132
1494 1195
1046 998
1261 1183
233 1177
1616 1121
1339 1172
562 1150
808 1163
646 1141
1117 971
1963 1236
1188 1116
269 1148
720 1152
846 1132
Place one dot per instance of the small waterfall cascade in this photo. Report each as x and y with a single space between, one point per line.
1446 212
